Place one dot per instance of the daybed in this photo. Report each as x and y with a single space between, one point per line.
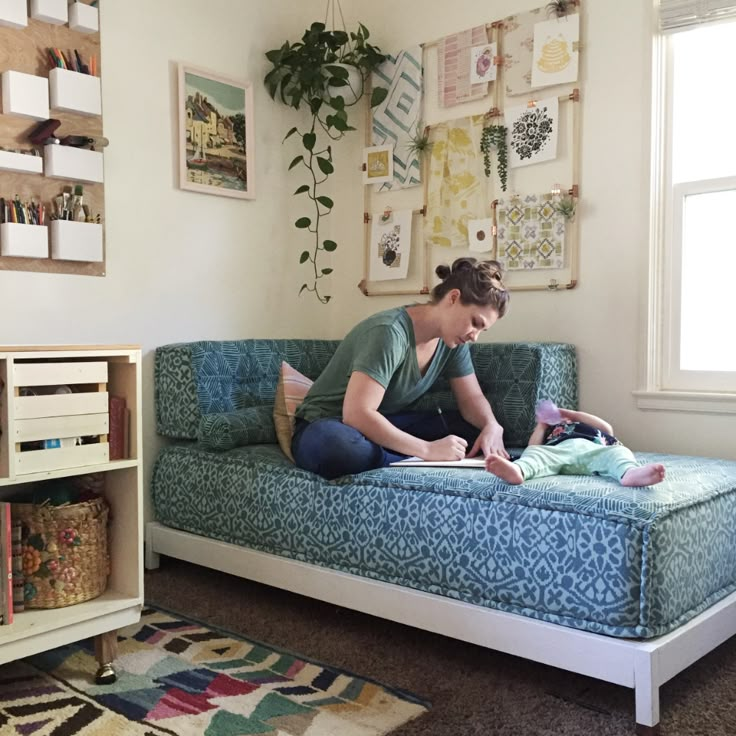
629 585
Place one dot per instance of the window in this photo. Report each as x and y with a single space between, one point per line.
692 348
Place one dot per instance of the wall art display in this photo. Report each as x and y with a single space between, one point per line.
216 134
378 164
390 245
397 119
531 233
480 235
456 190
518 42
453 67
482 68
555 55
532 132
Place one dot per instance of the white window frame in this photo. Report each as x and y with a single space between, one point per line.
666 386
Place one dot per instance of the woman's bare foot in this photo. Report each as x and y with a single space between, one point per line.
504 469
645 475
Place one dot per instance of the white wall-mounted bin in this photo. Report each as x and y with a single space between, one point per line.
75 92
25 94
28 241
13 13
76 241
84 18
50 11
22 162
67 162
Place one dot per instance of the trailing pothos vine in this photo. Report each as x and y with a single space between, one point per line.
494 136
316 71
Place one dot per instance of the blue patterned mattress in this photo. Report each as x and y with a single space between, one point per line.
577 551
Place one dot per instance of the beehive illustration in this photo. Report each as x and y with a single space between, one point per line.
555 56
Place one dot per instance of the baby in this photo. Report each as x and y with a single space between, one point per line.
566 442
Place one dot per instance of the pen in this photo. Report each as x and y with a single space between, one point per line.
444 421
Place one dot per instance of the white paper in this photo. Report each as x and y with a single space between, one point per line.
480 235
533 132
482 68
467 462
390 245
555 55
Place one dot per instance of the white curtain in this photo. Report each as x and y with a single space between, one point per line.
676 15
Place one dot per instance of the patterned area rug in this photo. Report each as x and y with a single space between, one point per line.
180 678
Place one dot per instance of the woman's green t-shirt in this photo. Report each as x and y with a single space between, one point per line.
383 347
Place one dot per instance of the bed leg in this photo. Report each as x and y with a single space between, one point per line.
646 693
152 559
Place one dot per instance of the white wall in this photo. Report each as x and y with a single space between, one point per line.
604 316
180 265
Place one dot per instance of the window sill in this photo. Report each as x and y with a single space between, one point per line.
692 401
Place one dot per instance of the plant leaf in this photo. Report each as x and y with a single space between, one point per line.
303 188
304 257
308 140
326 271
303 222
329 245
304 286
325 166
296 161
378 96
326 201
289 134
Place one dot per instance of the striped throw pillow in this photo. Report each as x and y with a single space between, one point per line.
291 389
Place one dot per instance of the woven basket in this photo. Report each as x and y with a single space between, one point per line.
65 556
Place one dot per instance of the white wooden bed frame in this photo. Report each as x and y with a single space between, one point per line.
643 665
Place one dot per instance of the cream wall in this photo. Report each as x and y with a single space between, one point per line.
180 265
604 316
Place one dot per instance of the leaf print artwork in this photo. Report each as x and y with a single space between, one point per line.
533 132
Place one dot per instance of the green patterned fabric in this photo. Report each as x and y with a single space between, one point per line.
226 430
574 550
195 380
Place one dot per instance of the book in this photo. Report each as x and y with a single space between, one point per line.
18 576
117 427
466 462
6 565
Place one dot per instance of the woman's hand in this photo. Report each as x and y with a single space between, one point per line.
490 441
451 447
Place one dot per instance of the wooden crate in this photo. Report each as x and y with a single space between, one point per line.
40 413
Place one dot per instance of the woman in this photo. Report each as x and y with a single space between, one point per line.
354 419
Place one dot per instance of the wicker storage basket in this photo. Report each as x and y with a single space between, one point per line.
65 555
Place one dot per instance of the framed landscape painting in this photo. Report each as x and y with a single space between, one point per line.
216 135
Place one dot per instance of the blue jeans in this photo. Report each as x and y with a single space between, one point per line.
331 449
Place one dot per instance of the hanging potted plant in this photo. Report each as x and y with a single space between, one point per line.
326 71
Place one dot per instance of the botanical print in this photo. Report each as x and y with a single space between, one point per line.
555 55
378 162
480 235
531 233
518 42
397 118
390 245
533 132
482 68
456 190
215 134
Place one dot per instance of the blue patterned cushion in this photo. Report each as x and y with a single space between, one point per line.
196 379
226 430
573 550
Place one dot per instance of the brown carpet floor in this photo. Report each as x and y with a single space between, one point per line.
473 691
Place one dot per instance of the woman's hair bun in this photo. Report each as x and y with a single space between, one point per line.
443 271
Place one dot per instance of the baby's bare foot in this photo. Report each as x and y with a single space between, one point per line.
645 475
504 469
